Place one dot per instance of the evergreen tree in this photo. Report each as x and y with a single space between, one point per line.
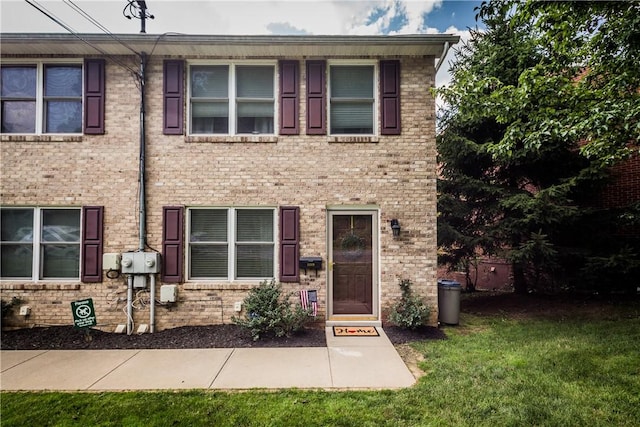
519 161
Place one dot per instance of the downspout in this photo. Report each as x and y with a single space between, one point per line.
444 55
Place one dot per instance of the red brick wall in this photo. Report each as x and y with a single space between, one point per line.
625 187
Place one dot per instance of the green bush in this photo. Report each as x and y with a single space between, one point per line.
269 312
410 312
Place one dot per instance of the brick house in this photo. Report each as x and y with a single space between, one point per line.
246 159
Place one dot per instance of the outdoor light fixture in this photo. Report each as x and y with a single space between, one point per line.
395 227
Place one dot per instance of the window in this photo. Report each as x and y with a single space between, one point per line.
41 98
232 99
352 99
38 243
229 244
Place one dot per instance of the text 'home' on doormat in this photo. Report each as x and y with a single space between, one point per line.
355 331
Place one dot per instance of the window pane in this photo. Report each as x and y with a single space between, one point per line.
60 261
18 116
63 117
16 261
208 225
210 117
254 82
352 117
61 225
209 261
255 125
352 82
210 109
16 225
18 82
254 261
209 125
65 80
255 109
254 225
210 81
255 117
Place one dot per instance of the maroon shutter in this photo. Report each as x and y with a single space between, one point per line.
172 243
390 97
289 95
92 220
289 244
316 98
173 90
94 94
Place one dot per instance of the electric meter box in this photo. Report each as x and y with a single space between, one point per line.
140 262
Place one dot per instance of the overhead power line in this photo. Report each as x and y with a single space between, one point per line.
95 22
59 21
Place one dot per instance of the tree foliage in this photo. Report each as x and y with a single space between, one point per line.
542 102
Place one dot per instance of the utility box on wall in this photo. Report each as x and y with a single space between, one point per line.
140 262
168 293
111 261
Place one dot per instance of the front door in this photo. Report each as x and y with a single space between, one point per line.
352 264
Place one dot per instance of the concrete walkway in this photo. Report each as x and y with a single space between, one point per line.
346 363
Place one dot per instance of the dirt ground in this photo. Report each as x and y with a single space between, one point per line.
233 336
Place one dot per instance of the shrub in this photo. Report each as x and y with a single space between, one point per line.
410 312
269 312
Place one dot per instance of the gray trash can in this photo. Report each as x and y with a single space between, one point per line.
449 301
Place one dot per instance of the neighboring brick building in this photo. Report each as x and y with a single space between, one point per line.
257 151
624 189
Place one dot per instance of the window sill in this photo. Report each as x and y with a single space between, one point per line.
40 138
13 286
354 139
233 139
222 286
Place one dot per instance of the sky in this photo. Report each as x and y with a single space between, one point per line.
249 17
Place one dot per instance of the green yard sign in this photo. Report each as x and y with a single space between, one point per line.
84 316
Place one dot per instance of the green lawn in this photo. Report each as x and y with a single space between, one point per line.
498 370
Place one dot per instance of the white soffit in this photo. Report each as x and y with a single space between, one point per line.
180 45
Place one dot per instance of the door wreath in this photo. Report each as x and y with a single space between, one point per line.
351 244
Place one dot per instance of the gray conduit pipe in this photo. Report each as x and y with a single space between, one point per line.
152 308
129 304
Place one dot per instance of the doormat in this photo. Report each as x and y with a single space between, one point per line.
355 331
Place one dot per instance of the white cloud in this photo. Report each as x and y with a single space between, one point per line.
227 17
318 17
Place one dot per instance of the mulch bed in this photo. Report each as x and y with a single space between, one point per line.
214 336
233 336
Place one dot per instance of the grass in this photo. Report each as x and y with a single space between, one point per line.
496 370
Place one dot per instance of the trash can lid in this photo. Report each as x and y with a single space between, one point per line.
448 283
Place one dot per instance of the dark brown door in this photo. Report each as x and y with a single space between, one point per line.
352 268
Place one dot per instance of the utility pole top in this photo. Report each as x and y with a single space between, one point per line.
137 9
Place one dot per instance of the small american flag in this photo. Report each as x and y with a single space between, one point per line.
309 297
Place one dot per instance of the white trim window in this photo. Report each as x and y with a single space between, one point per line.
40 243
232 99
231 243
41 98
352 98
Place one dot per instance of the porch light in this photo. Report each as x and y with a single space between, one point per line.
395 227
